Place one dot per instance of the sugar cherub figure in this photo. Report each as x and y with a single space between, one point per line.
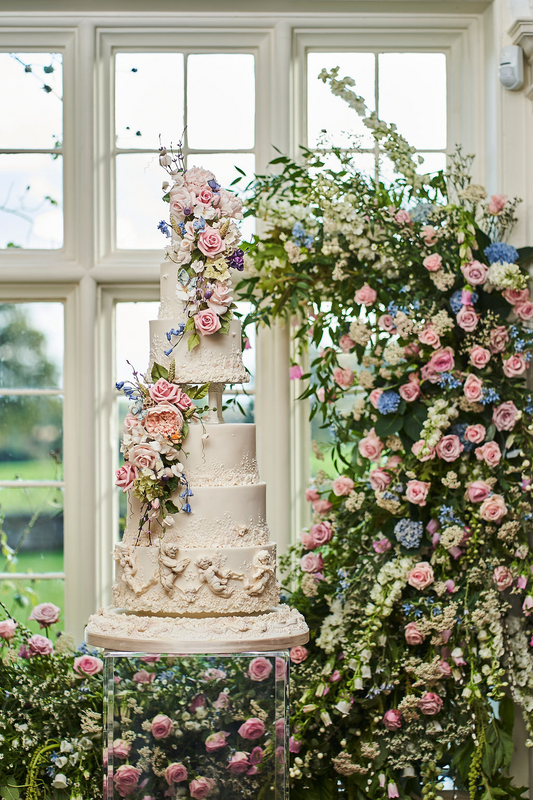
169 565
128 561
264 571
215 578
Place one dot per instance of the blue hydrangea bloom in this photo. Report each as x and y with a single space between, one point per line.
421 212
388 402
300 237
409 533
499 251
455 301
459 430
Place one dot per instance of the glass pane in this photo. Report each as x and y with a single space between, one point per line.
31 437
233 413
139 176
31 201
31 345
33 525
148 99
412 94
433 162
324 110
132 340
213 119
249 353
20 596
31 100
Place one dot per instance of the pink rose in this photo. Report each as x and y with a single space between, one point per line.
162 726
238 763
392 719
514 366
200 787
130 422
430 703
475 273
420 576
143 676
216 741
445 669
430 337
321 533
503 578
409 391
281 669
164 419
498 338
490 453
346 343
479 356
365 296
121 749
381 545
386 323
175 773
342 486
205 196
402 217
126 779
125 476
220 299
142 456
259 669
442 360
417 448
504 416
312 562
371 446
253 728
343 377
417 491
514 296
295 372
321 506
207 322
222 701
429 234
497 203
493 508
374 396
164 392
475 433
40 646
433 262
473 388
298 654
524 310
7 628
88 665
429 374
213 674
210 242
181 203
230 205
413 635
467 319
449 448
478 491
411 349
198 701
379 479
45 614
311 495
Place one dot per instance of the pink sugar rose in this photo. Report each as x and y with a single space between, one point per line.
443 360
216 741
40 646
253 728
88 665
162 726
430 337
497 203
409 391
490 453
295 372
449 448
182 203
374 396
321 533
420 576
205 196
493 508
210 242
445 669
312 562
222 701
45 614
125 476
477 491
392 719
142 456
311 495
514 366
183 401
433 262
343 377
321 506
498 338
417 492
402 217
7 628
259 669
475 273
524 310
121 749
505 415
413 635
514 296
175 773
475 433
126 779
479 356
365 296
164 419
342 486
143 676
386 323
207 322
200 787
298 654
164 392
473 388
503 578
230 205
467 319
430 704
371 446
417 447
429 234
381 545
238 763
130 422
379 479
346 343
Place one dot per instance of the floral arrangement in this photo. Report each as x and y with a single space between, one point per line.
415 575
204 240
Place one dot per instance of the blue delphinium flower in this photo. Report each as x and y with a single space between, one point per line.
489 396
459 430
529 405
186 508
409 533
389 402
499 251
449 379
163 227
448 515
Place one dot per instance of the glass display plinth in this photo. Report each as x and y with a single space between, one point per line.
196 726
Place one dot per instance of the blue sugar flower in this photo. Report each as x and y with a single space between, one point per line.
213 185
499 251
119 385
186 508
409 533
389 402
199 224
163 227
168 352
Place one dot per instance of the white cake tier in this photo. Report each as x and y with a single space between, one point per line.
221 516
225 458
279 629
170 580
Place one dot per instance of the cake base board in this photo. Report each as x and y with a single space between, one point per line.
119 630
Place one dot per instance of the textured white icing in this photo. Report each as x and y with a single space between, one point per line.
225 458
233 583
171 307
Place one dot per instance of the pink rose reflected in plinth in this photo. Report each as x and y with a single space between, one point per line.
252 729
200 787
259 669
162 726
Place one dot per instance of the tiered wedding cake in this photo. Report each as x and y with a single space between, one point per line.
196 570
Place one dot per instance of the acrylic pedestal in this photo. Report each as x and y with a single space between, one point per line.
196 726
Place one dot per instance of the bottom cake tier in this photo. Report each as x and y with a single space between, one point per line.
114 629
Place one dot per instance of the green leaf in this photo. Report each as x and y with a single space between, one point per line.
200 392
10 792
388 425
170 507
491 432
224 328
189 326
193 342
159 372
506 714
414 421
525 255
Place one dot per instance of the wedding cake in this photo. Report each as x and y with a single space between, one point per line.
195 570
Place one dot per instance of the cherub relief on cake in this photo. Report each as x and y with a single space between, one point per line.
215 578
169 565
264 572
128 561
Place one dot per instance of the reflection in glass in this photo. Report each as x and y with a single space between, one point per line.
31 100
33 523
31 432
31 345
239 408
139 204
148 99
31 201
212 120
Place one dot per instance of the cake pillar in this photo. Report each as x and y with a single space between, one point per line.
215 414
